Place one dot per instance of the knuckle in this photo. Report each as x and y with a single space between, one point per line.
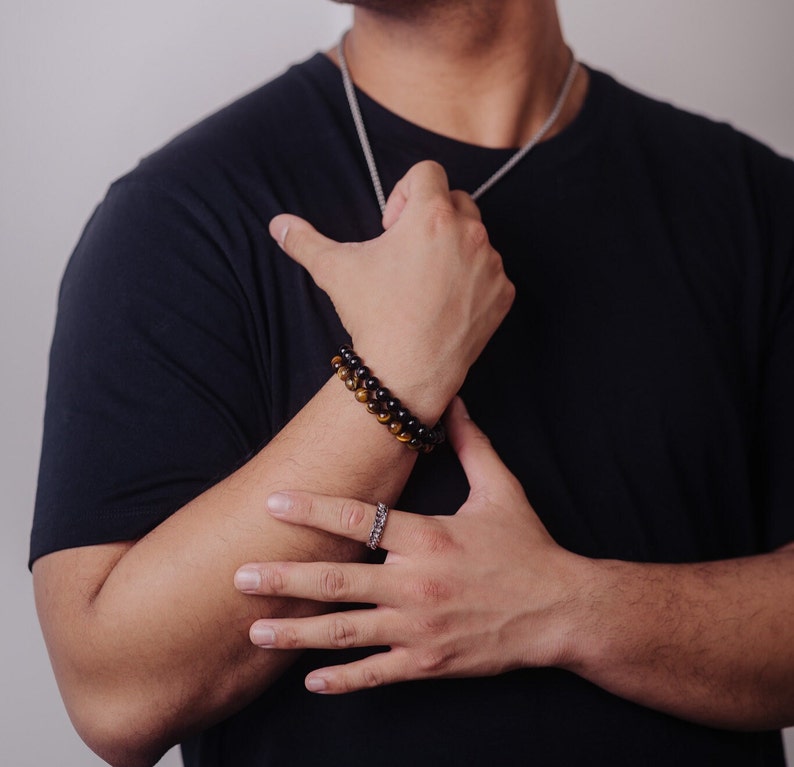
274 579
431 626
434 538
440 218
508 294
476 234
431 168
288 638
434 661
372 677
341 633
351 514
333 586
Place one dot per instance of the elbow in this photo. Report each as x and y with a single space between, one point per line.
117 733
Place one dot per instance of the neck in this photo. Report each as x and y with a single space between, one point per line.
486 73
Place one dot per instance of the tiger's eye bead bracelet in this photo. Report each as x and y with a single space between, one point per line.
379 401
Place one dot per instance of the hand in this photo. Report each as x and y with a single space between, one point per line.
475 594
421 301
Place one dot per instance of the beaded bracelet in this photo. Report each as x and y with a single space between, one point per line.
379 401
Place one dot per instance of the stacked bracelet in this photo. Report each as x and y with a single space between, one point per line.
379 401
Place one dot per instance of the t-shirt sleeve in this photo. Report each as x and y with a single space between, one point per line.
156 387
777 364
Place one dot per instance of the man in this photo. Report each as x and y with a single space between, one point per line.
637 390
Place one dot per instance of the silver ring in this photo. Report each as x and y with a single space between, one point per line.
376 533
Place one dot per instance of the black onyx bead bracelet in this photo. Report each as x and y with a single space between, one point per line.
379 401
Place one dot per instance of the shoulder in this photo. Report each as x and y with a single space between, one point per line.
691 155
693 137
233 156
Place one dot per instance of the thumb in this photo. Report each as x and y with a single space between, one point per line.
479 460
300 240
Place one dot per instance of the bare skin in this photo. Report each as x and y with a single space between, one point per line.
152 633
486 73
708 642
488 590
115 616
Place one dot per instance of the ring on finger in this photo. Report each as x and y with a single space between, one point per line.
376 533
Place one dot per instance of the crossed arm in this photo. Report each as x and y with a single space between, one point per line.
153 634
149 638
488 590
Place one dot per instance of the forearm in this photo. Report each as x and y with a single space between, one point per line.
149 639
168 648
711 643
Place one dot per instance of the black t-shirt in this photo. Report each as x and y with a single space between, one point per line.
641 387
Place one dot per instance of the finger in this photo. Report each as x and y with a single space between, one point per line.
349 518
300 240
424 183
394 207
336 631
479 460
375 671
319 581
465 205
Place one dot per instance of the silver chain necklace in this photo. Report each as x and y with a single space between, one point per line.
519 155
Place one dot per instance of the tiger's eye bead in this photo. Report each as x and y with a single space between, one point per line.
344 372
350 383
393 405
414 444
395 427
404 436
384 416
382 394
373 407
362 395
336 363
372 383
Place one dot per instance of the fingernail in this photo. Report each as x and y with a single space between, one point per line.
316 684
247 579
263 636
279 504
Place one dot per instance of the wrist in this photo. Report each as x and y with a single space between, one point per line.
425 386
580 626
381 403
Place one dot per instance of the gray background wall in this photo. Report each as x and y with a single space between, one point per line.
89 86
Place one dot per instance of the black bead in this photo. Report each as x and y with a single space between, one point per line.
382 394
414 444
354 361
344 349
393 405
402 415
362 373
372 383
422 432
412 424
